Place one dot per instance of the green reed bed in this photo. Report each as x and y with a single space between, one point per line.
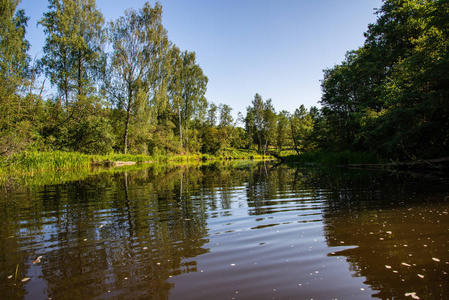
40 161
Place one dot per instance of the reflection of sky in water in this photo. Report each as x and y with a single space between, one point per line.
228 233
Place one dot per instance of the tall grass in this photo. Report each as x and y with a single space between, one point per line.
41 161
45 165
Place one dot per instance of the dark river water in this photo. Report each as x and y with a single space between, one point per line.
235 231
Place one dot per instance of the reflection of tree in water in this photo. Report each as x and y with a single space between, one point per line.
269 184
124 235
399 230
116 235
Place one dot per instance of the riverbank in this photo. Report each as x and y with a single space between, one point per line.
30 162
329 158
363 160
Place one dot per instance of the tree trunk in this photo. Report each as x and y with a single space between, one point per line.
128 115
294 139
180 124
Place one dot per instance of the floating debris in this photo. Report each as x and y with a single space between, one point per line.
38 260
387 266
10 276
25 279
436 259
413 295
406 264
232 265
420 276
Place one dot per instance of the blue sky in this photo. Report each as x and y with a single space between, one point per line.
277 48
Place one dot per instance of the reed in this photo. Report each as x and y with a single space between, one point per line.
30 161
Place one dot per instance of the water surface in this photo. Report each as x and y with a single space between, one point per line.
251 231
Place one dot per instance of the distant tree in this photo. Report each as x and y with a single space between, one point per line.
15 127
137 40
269 125
74 62
302 125
249 125
73 50
283 130
390 96
261 122
186 89
211 119
258 117
226 118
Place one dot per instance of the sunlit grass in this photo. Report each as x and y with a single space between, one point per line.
31 168
40 161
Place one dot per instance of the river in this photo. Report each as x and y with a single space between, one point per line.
239 230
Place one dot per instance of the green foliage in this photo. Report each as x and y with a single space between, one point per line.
391 96
147 97
16 108
72 52
186 90
139 43
39 161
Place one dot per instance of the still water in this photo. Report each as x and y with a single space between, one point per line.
240 231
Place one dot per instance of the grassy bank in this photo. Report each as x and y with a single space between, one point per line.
38 168
30 162
42 161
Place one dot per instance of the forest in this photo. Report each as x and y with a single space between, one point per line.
144 95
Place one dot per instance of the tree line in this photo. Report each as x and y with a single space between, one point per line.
123 86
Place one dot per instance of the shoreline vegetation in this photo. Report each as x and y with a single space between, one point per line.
28 163
73 164
385 106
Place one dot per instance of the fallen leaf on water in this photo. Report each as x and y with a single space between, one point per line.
413 295
38 260
406 264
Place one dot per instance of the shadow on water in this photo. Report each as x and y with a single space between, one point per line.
399 224
149 233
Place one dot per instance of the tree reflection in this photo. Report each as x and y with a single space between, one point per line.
111 235
399 232
118 234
